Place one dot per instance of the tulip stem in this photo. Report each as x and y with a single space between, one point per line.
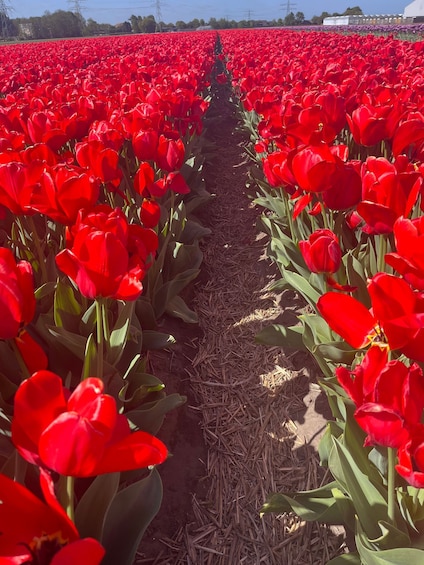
381 253
40 254
290 221
70 482
100 336
391 490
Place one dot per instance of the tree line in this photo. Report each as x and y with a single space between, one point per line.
65 24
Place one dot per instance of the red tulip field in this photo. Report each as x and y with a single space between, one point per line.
212 298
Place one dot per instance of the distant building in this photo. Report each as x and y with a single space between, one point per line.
365 19
414 10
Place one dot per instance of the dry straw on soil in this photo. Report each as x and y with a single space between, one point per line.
252 399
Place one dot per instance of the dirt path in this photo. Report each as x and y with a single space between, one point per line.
252 418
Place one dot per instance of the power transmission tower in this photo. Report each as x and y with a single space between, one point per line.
158 15
76 7
289 6
5 8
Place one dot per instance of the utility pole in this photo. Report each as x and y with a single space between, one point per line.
4 17
76 7
159 15
288 6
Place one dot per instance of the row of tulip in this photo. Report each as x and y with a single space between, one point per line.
100 172
338 128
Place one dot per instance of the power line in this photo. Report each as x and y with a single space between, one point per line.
289 7
158 14
76 6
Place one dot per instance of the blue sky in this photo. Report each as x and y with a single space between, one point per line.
111 11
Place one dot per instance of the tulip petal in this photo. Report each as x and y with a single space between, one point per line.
347 317
135 451
86 551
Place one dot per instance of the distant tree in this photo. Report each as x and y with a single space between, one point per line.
290 19
91 27
135 24
355 11
299 18
63 24
148 24
124 27
194 24
180 25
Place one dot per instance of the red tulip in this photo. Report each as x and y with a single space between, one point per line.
39 533
149 213
170 154
316 167
17 183
144 177
368 124
397 316
388 192
79 434
321 252
145 143
411 458
63 191
17 301
100 160
106 256
408 260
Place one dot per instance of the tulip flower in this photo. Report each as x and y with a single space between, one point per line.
33 532
170 154
79 434
368 124
411 458
408 260
321 251
316 167
396 318
145 144
106 256
17 301
389 397
388 192
100 160
63 191
149 213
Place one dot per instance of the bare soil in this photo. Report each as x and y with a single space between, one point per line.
253 415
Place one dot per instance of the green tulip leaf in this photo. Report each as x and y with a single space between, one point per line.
145 313
128 517
66 310
119 334
44 290
318 505
370 505
282 336
90 359
137 387
333 429
178 308
373 555
149 417
346 559
338 352
193 231
92 508
156 340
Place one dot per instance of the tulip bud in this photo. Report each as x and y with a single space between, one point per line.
321 252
